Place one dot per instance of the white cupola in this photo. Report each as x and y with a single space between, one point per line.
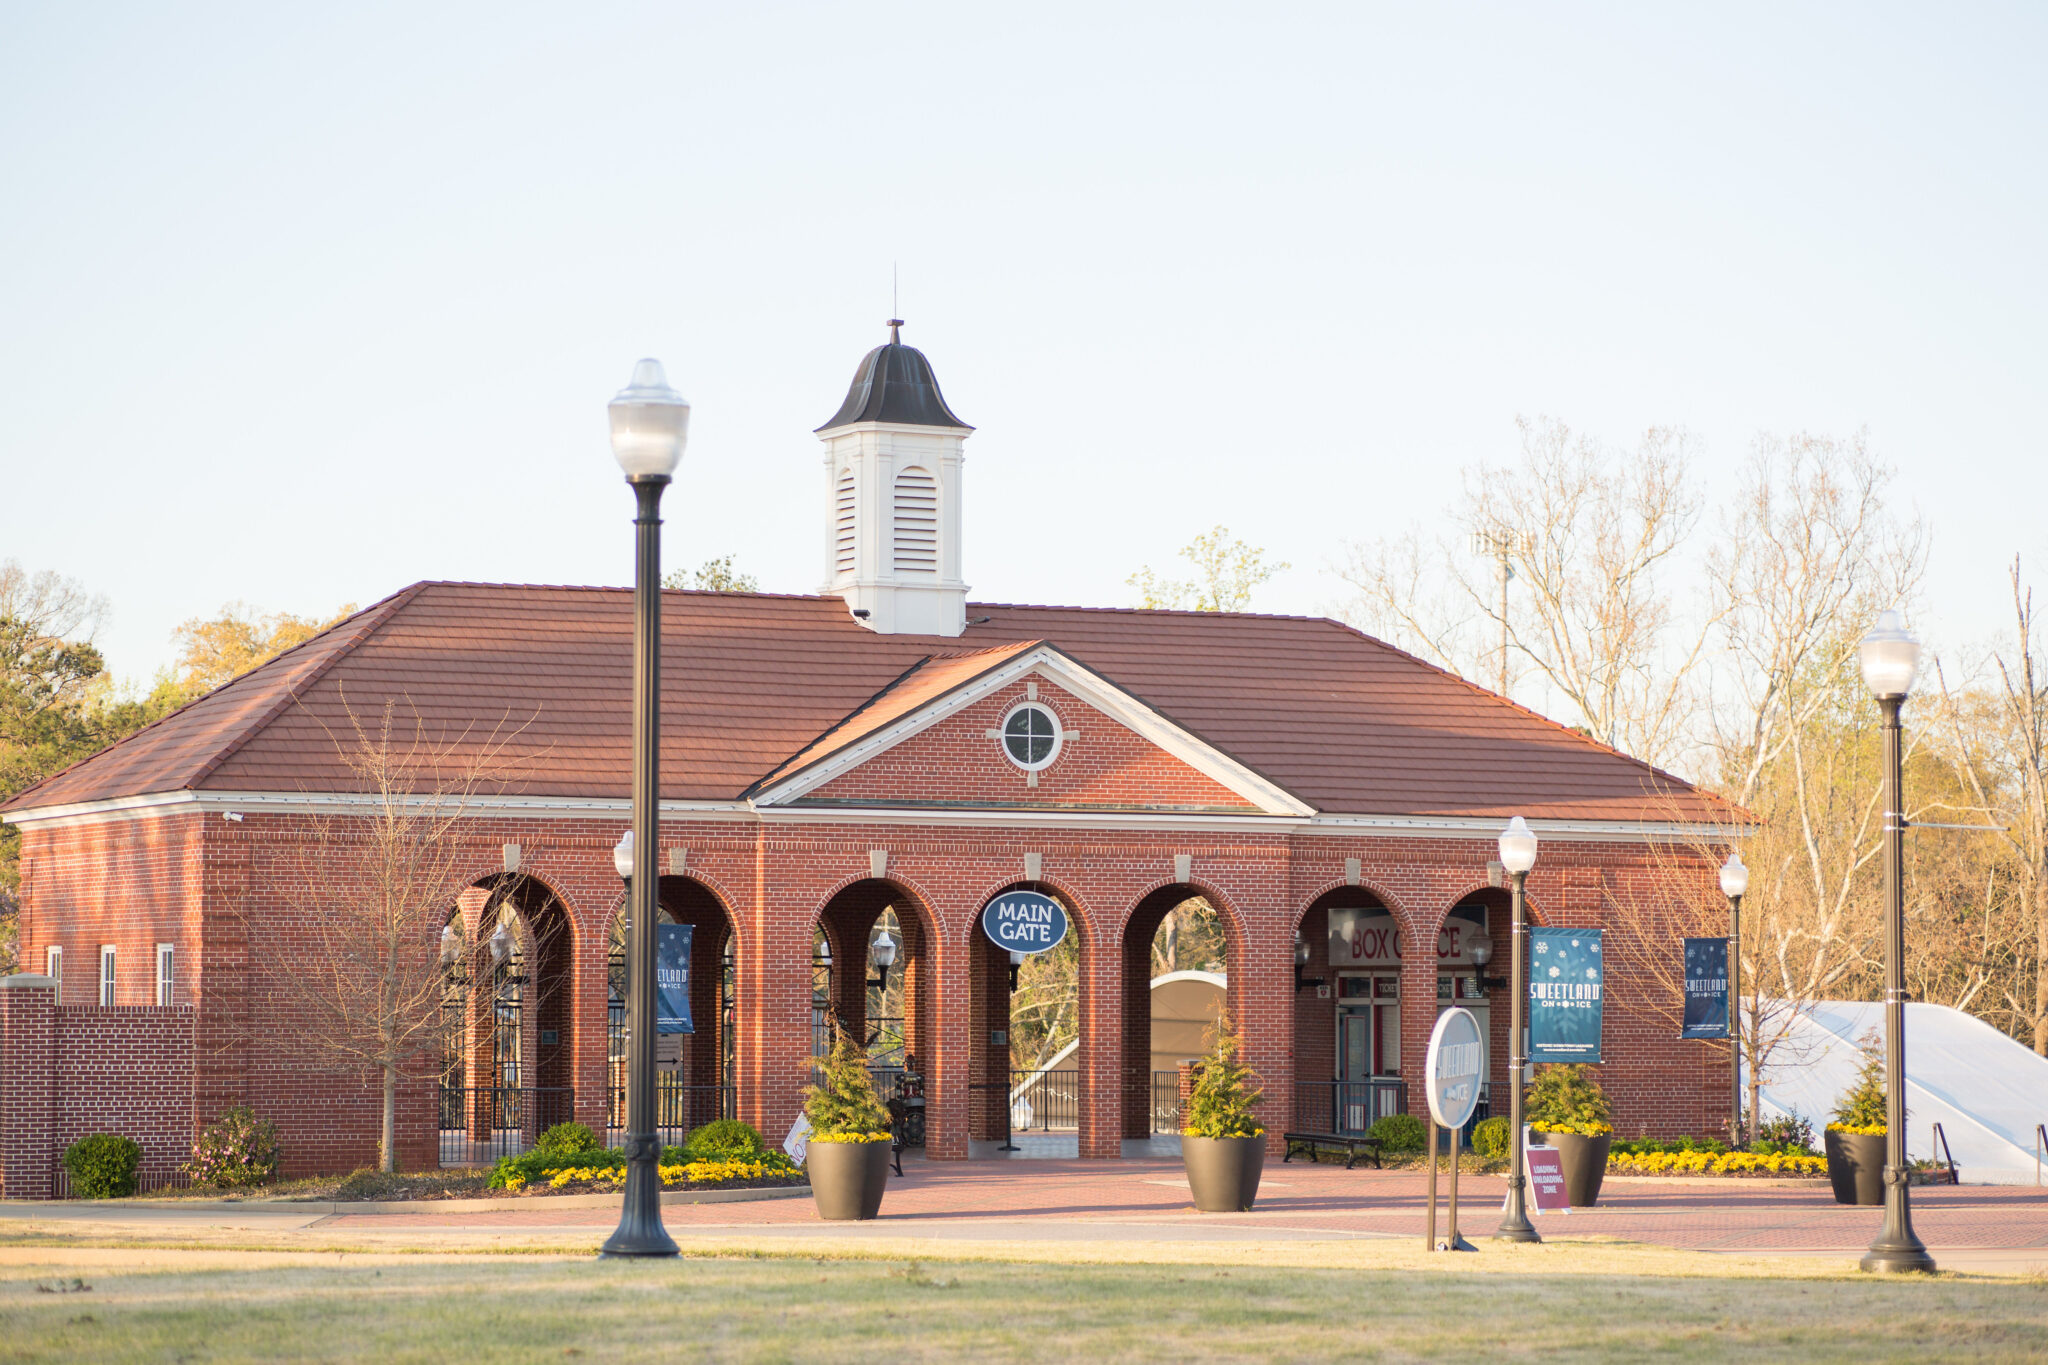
892 490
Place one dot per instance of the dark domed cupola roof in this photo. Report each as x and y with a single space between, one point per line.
895 383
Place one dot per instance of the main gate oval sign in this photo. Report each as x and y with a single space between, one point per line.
1456 1057
1024 922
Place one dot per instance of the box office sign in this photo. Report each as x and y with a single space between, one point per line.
1564 995
1706 988
1369 938
672 979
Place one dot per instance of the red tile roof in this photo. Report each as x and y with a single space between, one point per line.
754 684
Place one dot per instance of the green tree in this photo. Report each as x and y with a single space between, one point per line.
714 575
1221 1103
846 1104
216 651
1226 572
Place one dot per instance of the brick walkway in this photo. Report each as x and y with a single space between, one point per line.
1148 1200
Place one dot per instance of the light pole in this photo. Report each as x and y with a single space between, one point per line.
650 423
1517 855
1890 657
1734 881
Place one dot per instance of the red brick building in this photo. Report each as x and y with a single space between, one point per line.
886 744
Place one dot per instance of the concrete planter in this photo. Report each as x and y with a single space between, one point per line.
1223 1173
1856 1166
1585 1164
848 1178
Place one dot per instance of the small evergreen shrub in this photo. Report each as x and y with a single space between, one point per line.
1862 1106
566 1139
846 1108
1400 1133
236 1151
1490 1138
103 1166
1220 1105
725 1140
1565 1099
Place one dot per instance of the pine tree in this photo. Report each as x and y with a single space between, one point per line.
1221 1104
846 1105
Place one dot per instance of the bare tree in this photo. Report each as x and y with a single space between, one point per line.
1227 571
355 978
1588 536
2002 753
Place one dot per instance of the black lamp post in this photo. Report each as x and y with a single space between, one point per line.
1517 855
650 423
1735 881
1890 657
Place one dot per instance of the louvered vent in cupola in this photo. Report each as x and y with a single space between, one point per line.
843 558
917 522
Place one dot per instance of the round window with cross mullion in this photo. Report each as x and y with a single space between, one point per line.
1031 736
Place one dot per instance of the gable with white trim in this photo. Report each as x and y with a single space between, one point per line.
1108 751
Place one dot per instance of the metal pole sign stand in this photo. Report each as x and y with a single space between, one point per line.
1457 1055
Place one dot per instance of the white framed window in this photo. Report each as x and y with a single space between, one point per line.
1031 736
166 977
53 966
106 973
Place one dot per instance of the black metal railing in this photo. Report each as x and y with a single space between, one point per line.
481 1124
147 1180
1166 1102
1045 1101
1347 1106
678 1108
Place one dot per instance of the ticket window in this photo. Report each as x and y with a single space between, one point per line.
1369 1027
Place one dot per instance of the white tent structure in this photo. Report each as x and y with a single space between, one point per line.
1986 1091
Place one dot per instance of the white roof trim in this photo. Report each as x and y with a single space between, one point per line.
572 808
209 802
1048 662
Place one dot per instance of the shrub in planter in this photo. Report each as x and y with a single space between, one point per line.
1856 1138
1490 1138
1222 1145
1568 1107
1400 1133
236 1151
725 1140
103 1166
567 1139
848 1159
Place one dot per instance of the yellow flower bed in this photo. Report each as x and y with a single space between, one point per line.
689 1173
852 1137
1593 1129
1716 1163
1861 1130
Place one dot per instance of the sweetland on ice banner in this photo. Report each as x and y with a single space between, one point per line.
1564 995
1706 988
672 979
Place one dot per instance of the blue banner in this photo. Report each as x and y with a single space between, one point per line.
1564 995
672 979
1706 988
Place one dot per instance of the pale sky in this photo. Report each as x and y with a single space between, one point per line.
302 304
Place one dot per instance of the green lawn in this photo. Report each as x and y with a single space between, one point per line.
66 1302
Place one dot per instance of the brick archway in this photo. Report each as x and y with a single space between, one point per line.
1134 1072
998 1074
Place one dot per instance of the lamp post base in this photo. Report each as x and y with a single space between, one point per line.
1514 1224
1510 1231
1902 1259
640 1232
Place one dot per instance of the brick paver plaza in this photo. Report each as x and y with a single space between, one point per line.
982 1201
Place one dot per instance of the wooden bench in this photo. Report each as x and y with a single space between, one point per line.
1353 1147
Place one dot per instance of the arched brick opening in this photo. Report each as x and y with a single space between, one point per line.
999 1073
894 1020
694 1086
509 1069
1347 1028
1482 914
1135 993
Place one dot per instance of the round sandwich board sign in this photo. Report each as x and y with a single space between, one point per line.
1451 1070
1024 922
